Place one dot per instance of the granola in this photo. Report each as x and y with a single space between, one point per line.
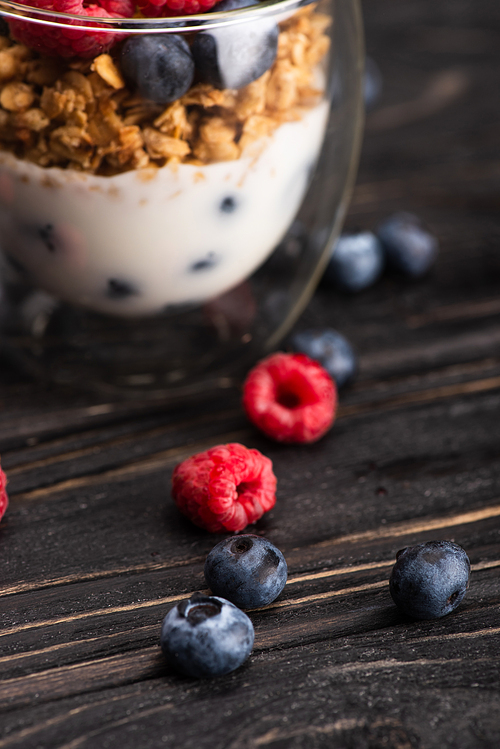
81 115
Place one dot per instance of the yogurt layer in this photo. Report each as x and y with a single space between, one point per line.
140 241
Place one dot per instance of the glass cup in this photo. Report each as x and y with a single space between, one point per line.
170 188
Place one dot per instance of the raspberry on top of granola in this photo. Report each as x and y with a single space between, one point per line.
67 41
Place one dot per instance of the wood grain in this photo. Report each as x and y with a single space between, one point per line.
93 553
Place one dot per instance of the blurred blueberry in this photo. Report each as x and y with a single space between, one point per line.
372 83
357 261
430 579
331 350
408 246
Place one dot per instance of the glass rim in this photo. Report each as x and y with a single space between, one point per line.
46 17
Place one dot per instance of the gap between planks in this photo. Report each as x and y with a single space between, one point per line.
291 602
160 460
389 531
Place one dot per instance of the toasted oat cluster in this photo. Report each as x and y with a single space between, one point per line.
81 115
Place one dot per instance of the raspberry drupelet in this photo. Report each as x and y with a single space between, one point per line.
71 41
4 500
290 397
225 488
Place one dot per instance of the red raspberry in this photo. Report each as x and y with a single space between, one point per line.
71 41
4 500
290 397
224 488
164 8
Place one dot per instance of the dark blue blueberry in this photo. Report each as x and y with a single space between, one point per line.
205 263
229 204
331 350
372 83
234 56
357 261
206 636
429 580
408 246
247 570
118 289
159 65
47 237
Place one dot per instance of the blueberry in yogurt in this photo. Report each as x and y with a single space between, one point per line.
210 260
47 237
356 262
206 636
228 204
119 289
429 580
234 56
159 65
408 246
331 349
248 570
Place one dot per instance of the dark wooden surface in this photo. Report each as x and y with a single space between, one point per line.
93 554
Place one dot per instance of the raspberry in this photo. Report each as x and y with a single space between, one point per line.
161 8
4 500
290 397
68 41
224 488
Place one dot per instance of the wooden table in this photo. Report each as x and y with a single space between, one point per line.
93 553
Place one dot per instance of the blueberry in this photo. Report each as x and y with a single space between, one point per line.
357 261
372 83
247 570
206 636
408 246
331 350
229 204
160 65
210 260
429 580
118 289
234 56
47 237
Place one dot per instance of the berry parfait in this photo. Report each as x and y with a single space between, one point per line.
173 174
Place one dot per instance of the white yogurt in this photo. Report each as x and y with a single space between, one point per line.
137 242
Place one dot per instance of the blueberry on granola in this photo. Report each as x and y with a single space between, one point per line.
234 56
159 65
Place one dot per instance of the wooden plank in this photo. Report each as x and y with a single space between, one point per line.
93 553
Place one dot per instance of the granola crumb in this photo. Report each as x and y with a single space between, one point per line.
80 115
106 68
